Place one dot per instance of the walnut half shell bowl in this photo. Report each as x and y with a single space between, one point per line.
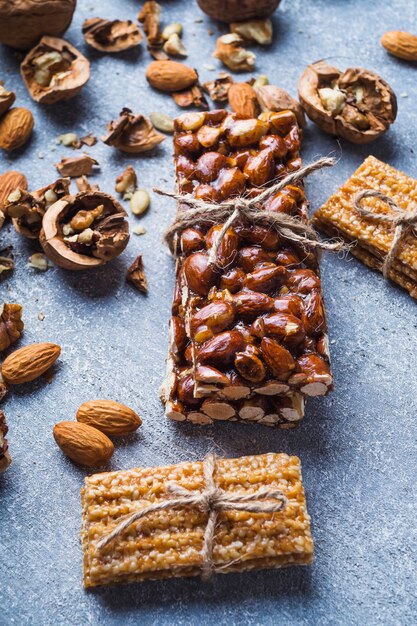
356 104
84 231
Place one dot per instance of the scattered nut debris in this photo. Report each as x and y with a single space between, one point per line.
3 388
229 50
259 31
273 98
76 166
150 17
89 140
111 35
28 208
218 89
172 29
356 104
261 81
54 70
132 133
6 98
139 202
136 275
85 230
126 183
175 46
83 184
39 262
11 324
69 140
41 316
6 261
193 96
139 230
162 122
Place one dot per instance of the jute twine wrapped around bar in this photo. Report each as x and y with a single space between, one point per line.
402 221
247 210
212 500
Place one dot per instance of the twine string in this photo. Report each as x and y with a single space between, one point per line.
212 500
233 210
401 220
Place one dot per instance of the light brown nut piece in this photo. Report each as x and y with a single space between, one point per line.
83 444
76 166
126 183
170 76
16 127
218 89
356 104
54 70
150 16
258 31
11 324
136 275
277 358
111 417
30 362
132 133
400 44
273 98
192 96
22 24
229 50
243 100
111 35
236 10
6 98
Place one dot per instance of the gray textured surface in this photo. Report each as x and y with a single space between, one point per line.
356 446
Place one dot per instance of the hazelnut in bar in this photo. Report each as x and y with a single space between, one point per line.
133 530
248 336
373 237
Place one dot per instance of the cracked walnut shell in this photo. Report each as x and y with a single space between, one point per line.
84 231
11 324
111 35
356 104
54 70
132 133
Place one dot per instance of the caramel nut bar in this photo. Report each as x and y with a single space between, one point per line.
168 543
252 329
373 240
5 459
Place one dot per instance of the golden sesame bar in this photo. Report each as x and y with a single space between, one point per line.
338 216
168 543
248 337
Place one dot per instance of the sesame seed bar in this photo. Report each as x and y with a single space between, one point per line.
248 338
373 240
168 543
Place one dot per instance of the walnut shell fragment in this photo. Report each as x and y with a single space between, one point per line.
5 459
24 22
273 98
132 133
136 275
11 324
85 230
356 104
237 10
6 98
193 96
76 166
229 50
54 70
218 89
27 209
111 35
150 17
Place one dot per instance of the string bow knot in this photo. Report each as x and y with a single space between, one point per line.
212 500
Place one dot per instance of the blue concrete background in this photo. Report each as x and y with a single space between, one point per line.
356 445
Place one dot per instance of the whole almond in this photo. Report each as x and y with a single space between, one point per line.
170 75
400 44
29 362
83 444
108 416
15 128
243 100
10 181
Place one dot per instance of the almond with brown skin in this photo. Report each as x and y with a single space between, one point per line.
400 44
112 418
83 444
170 76
243 100
30 362
278 359
15 128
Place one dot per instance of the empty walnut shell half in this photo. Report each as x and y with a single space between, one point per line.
28 208
356 104
84 231
54 70
237 10
132 133
111 35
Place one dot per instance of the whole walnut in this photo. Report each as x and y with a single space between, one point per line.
237 10
24 22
